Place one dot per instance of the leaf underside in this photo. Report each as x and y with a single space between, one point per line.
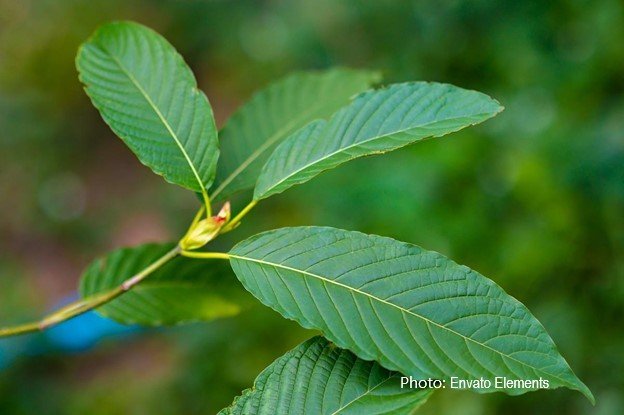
412 310
252 133
148 96
319 378
375 122
181 291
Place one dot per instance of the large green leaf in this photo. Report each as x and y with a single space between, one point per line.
272 114
183 290
148 96
375 122
319 378
412 310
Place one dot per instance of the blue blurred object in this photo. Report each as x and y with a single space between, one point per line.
85 331
76 335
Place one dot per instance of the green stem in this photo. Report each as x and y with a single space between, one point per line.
82 306
205 255
207 203
236 220
17 330
198 216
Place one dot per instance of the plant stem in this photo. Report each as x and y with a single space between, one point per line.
17 330
206 202
205 255
86 304
236 220
198 216
82 306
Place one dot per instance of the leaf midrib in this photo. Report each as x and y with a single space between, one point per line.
356 144
367 392
326 280
162 118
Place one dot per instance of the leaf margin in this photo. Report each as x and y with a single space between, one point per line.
578 386
314 131
202 184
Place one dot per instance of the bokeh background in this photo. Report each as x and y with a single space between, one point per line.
534 199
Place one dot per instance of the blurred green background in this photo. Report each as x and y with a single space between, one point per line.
534 199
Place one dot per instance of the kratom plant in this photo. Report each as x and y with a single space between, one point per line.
391 314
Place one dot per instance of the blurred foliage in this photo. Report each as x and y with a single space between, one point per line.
534 199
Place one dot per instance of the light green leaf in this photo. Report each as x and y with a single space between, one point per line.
183 290
272 114
375 122
319 378
148 96
412 310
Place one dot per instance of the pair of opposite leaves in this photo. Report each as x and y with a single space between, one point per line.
412 310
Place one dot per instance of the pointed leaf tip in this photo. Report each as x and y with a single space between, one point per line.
376 122
412 310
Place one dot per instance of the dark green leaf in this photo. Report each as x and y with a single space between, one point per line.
375 122
319 378
148 96
412 310
272 114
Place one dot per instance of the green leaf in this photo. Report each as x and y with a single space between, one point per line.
148 96
412 310
272 114
181 291
319 378
374 123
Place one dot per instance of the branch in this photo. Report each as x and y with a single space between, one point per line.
86 304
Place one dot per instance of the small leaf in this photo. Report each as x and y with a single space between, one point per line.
319 378
148 96
375 122
412 310
181 291
253 132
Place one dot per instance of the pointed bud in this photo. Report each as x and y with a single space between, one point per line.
205 230
224 213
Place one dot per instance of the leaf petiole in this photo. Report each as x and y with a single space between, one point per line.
236 220
205 255
198 216
206 205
